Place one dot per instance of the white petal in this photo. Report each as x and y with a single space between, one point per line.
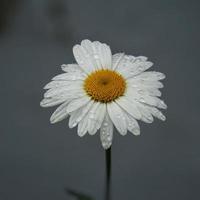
132 70
157 113
132 124
65 90
93 53
70 76
151 76
140 67
60 113
131 66
150 91
82 58
133 59
140 58
140 83
71 68
146 91
97 54
102 61
116 58
106 132
117 117
91 123
95 117
77 103
106 56
59 84
92 118
129 105
146 114
73 94
139 92
78 115
152 101
124 65
83 126
56 84
49 102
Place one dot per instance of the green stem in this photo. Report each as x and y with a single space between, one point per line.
108 174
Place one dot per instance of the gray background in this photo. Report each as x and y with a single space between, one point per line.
39 160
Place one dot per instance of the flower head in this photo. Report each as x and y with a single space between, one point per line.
104 90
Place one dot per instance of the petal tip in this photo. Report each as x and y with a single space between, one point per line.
163 118
42 104
85 41
52 121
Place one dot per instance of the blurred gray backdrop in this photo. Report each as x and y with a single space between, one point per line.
42 161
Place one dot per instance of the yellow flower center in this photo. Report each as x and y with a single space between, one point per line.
105 85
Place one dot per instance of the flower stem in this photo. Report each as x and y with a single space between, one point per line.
108 174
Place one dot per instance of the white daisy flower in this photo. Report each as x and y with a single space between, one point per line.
103 91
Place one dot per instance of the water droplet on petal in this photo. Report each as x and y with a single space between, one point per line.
118 116
96 56
74 124
105 124
142 100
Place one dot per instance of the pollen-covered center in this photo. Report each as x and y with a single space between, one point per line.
104 85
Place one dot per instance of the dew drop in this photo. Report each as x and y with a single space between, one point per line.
105 124
118 116
74 124
96 56
142 100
